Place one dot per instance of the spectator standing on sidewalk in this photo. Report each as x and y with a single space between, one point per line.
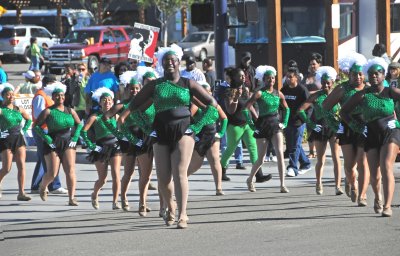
209 72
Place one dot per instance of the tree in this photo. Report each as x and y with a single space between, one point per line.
166 8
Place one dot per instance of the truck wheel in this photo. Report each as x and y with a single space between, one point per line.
93 63
24 58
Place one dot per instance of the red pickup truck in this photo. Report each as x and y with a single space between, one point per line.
89 45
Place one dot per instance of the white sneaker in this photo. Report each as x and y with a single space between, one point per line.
304 171
273 159
290 172
266 159
59 191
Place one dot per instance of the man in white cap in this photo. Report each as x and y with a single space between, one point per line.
32 83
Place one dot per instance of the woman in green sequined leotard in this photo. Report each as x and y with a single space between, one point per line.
268 126
321 130
208 145
175 141
105 150
350 142
383 129
11 140
59 143
134 148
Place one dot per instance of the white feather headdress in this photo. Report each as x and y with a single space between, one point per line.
325 71
174 48
103 91
4 86
348 59
261 70
50 88
375 61
126 77
141 71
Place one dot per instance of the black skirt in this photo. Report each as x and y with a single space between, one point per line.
324 135
380 134
267 126
133 150
351 137
205 139
61 139
12 142
109 148
171 125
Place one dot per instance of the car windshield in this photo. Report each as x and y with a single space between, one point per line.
195 38
81 35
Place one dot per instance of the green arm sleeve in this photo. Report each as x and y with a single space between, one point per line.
397 124
127 134
210 116
27 125
43 135
248 119
88 142
222 130
303 116
77 132
286 114
113 129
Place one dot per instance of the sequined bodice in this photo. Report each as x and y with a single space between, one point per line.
268 103
100 129
59 120
375 106
9 118
168 95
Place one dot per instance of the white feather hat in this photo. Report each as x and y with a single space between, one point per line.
328 71
261 70
103 91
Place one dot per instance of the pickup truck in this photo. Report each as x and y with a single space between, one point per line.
89 45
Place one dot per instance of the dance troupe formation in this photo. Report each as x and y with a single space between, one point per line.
176 120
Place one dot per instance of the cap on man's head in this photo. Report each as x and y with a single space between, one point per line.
29 74
190 60
105 61
394 65
246 55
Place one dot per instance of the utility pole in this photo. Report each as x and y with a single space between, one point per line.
275 39
221 37
332 36
383 20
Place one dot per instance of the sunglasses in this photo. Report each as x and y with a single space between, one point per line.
133 62
81 69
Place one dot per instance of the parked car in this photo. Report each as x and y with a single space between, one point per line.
198 44
15 40
89 45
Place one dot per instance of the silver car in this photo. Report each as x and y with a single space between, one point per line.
15 40
198 44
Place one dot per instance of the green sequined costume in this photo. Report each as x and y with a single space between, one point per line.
10 125
268 121
59 124
327 119
172 120
377 110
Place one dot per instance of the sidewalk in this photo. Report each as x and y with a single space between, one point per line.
239 223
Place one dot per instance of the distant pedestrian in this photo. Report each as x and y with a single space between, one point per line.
209 72
35 54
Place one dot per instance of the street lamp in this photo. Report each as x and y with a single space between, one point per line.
59 4
18 6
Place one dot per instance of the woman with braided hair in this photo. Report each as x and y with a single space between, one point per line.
172 95
268 126
106 150
135 144
207 144
11 139
59 146
383 129
324 129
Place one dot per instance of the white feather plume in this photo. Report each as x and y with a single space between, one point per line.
56 85
126 77
328 70
141 70
347 59
376 60
260 71
160 55
99 92
5 85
